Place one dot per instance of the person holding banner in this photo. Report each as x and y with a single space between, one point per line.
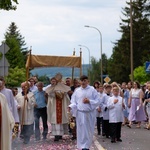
26 101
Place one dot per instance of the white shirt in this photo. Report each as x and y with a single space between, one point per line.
81 93
105 111
100 114
135 93
115 110
33 88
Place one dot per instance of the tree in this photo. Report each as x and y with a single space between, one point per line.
16 43
8 4
105 64
119 62
44 79
15 77
140 75
13 31
14 56
95 68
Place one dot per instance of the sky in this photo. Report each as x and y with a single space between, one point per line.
56 27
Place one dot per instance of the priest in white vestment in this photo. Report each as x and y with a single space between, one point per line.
58 101
84 101
6 124
9 97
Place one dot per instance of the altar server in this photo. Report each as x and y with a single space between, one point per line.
115 106
84 101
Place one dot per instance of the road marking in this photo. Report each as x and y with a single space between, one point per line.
98 145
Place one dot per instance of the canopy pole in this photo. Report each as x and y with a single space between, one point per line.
27 68
26 87
73 67
80 62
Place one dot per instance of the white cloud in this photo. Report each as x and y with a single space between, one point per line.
56 27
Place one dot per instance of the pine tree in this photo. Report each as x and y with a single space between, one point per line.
17 54
14 56
119 63
95 68
95 71
14 32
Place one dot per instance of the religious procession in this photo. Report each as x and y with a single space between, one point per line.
71 108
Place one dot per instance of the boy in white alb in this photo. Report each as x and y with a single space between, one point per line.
99 114
105 111
84 101
115 106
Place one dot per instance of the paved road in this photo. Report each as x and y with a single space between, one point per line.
65 144
133 139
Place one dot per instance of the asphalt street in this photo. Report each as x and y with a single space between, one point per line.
132 139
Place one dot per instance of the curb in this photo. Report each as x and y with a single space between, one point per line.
98 145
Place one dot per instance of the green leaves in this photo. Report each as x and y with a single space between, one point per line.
119 63
94 72
15 77
14 56
141 75
17 54
8 4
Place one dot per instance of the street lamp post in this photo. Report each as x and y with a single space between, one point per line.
89 53
101 64
89 57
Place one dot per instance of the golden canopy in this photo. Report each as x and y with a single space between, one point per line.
53 61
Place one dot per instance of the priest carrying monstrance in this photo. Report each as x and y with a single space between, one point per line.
58 101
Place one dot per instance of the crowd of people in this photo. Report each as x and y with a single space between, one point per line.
72 107
121 104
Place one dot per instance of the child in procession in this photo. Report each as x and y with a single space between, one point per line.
99 115
105 111
115 106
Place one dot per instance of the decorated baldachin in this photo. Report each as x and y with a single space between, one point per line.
53 61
